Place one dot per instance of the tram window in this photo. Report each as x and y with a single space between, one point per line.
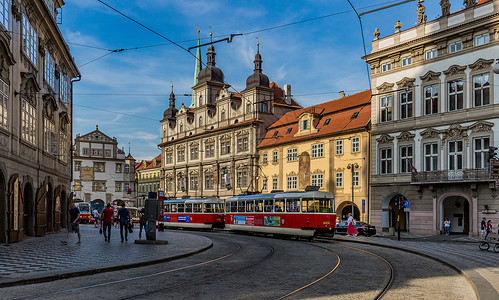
180 207
240 206
218 207
249 205
325 206
233 206
207 207
269 205
279 205
188 207
292 205
168 208
174 208
196 207
259 205
308 205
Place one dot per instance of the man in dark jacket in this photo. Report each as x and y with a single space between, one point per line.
125 217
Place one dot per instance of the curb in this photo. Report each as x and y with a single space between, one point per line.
490 290
100 270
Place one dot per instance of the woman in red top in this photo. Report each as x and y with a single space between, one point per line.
107 220
489 228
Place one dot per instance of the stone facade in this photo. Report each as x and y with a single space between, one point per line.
434 116
36 72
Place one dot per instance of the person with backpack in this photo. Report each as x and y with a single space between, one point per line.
125 216
143 222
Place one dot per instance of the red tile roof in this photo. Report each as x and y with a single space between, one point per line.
130 157
339 112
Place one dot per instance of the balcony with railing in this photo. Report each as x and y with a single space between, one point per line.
464 175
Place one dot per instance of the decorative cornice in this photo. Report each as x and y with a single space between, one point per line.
385 139
385 87
430 133
455 132
406 82
481 64
455 70
406 137
481 126
430 75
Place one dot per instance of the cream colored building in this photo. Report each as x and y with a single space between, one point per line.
317 146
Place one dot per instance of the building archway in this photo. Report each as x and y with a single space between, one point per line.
29 210
15 210
41 214
390 213
3 209
64 209
345 208
97 203
457 209
49 209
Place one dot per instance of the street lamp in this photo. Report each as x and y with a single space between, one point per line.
352 167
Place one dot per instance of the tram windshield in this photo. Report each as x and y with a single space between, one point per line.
84 208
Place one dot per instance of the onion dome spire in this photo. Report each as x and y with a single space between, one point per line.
257 78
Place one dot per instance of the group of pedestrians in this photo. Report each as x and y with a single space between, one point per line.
486 228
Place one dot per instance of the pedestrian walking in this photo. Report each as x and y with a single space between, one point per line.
489 228
107 221
125 217
483 228
96 217
143 222
351 231
74 221
447 226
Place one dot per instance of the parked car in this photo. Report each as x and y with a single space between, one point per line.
362 228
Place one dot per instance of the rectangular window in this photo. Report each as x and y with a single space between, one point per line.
339 179
208 181
225 147
406 158
180 155
5 13
194 183
481 152
86 151
242 144
406 61
304 125
406 105
194 153
117 187
385 161
50 6
339 147
356 178
28 122
4 100
99 167
77 186
98 186
318 150
456 155
274 184
455 94
64 88
275 158
431 53
481 39
481 89
64 150
264 184
318 180
29 40
118 168
386 67
49 142
264 158
127 168
355 144
169 157
77 165
431 99
292 182
49 73
242 179
293 154
126 187
97 152
210 150
386 108
431 157
107 152
455 47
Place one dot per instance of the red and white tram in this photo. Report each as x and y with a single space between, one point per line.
194 213
307 213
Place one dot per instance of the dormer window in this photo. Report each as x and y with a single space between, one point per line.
289 130
275 133
327 121
304 124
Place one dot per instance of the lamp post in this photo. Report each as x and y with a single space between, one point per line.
352 167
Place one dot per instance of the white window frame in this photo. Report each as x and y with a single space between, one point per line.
456 157
181 155
292 182
386 107
355 144
481 39
275 157
407 60
406 105
406 155
28 122
339 179
5 6
339 147
304 124
242 144
64 88
454 95
275 184
49 70
431 157
318 180
455 47
479 87
318 150
386 67
292 154
481 152
386 161
29 44
264 184
265 158
356 178
430 95
430 54
4 100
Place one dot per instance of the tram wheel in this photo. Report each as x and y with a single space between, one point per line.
496 248
484 246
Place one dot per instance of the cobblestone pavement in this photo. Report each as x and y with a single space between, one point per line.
462 252
44 257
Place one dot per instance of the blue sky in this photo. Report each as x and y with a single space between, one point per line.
125 93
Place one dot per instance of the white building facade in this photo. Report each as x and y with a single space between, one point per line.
102 173
435 115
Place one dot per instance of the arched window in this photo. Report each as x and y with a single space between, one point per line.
201 100
200 121
222 116
181 128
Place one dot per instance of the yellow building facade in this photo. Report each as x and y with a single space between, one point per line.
326 146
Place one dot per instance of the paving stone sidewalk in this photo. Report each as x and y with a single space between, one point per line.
44 257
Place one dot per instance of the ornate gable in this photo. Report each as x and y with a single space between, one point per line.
481 64
406 82
29 87
385 139
385 87
455 70
429 76
97 136
406 137
481 126
430 133
455 132
49 106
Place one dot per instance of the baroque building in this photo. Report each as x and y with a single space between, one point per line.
434 118
208 148
37 71
148 178
326 146
102 173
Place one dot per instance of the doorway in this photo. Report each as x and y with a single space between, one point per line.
457 210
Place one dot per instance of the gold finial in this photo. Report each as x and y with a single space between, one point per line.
211 35
198 30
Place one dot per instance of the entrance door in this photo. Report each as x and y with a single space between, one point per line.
3 209
41 199
15 211
57 209
456 209
29 218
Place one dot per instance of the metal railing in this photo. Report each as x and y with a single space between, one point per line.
451 175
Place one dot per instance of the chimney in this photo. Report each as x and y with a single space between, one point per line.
342 94
287 93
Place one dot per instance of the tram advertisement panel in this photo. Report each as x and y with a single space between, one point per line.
272 221
184 219
244 220
166 218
